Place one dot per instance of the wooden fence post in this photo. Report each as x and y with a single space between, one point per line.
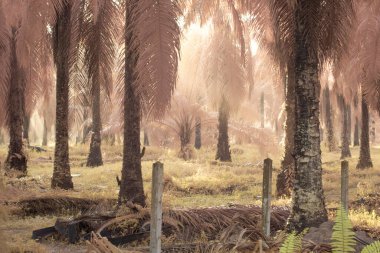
266 196
344 184
156 208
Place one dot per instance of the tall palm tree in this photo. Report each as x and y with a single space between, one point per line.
284 183
365 151
19 85
224 75
345 151
16 159
329 123
99 42
151 59
62 48
365 55
318 33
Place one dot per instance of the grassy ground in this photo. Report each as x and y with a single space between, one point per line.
197 183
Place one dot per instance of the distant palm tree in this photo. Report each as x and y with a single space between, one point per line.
16 159
21 68
99 41
365 57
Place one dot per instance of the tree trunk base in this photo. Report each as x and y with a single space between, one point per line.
364 164
95 156
62 181
16 165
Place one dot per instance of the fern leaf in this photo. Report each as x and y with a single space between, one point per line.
343 240
372 248
293 243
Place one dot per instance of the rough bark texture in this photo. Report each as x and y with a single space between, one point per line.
365 152
345 150
308 202
61 175
44 135
331 142
284 183
198 134
356 132
262 110
223 152
16 162
95 156
131 187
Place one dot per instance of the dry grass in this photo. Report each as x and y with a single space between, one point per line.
200 182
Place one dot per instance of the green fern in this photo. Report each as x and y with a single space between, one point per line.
372 248
343 237
293 243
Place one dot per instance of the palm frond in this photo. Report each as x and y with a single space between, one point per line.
159 46
222 70
99 41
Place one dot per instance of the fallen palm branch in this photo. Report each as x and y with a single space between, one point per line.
98 244
187 225
61 205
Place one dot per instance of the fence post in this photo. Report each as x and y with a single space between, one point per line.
344 184
266 196
156 208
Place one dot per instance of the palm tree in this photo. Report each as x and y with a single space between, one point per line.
19 85
62 40
365 55
151 59
345 151
225 82
16 159
313 22
284 183
331 143
365 152
99 41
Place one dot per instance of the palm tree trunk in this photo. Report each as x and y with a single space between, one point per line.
95 156
308 203
223 152
349 124
365 152
356 132
331 143
284 182
85 129
198 134
16 162
345 131
25 128
131 186
44 135
146 138
61 175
